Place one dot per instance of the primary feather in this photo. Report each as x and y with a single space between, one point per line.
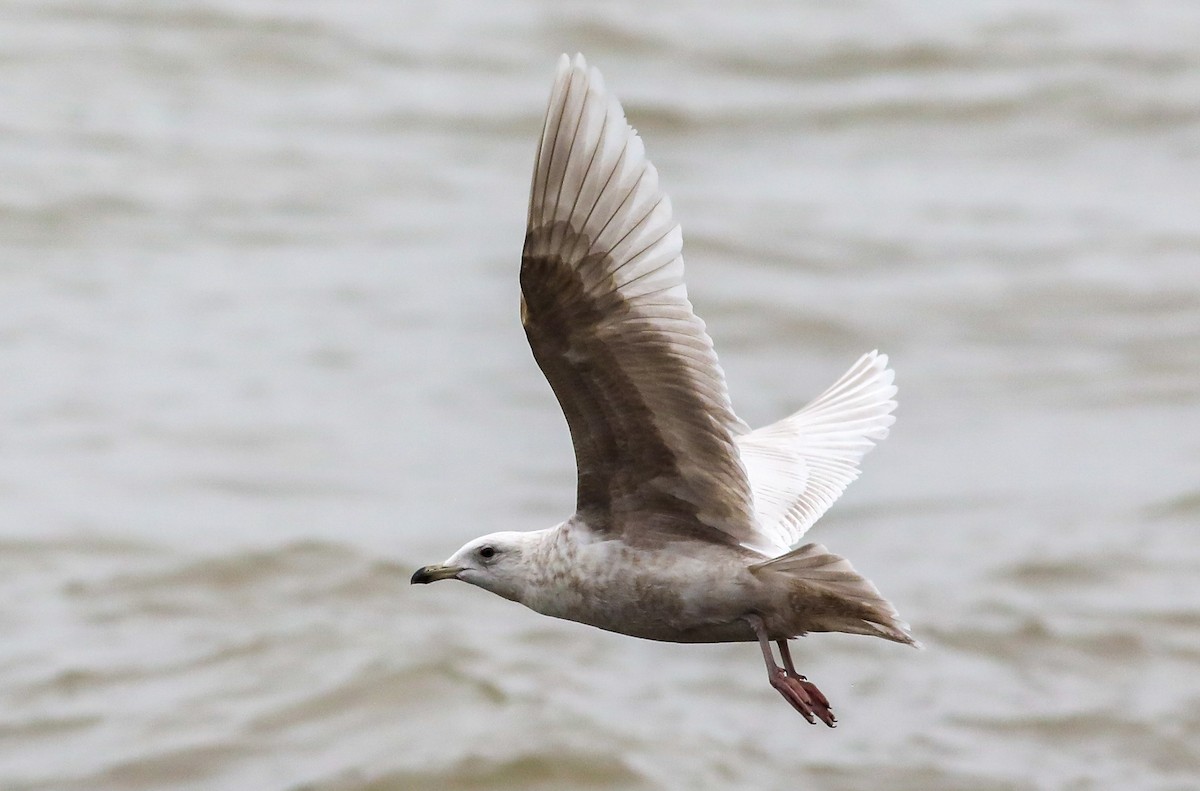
800 465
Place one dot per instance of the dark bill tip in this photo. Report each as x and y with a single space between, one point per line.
427 574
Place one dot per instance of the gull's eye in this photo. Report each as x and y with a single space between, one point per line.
487 552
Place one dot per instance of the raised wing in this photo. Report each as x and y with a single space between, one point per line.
608 318
801 464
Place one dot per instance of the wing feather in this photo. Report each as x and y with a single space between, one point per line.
608 319
800 465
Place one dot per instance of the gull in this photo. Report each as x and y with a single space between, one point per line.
685 519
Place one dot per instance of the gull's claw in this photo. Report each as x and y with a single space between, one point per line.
804 697
820 702
817 695
795 695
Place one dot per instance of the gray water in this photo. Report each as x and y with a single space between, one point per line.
261 358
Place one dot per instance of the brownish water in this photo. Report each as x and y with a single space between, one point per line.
261 358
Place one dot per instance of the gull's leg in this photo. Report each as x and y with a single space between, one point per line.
809 687
793 689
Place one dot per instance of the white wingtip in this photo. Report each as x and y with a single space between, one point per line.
862 399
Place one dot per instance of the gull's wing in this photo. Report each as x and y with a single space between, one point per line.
610 325
801 464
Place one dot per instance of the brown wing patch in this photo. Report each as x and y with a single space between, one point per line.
612 429
625 464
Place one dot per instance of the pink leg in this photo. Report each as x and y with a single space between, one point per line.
803 696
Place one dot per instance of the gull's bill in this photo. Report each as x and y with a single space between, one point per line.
433 573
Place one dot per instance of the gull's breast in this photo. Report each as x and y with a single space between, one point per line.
680 593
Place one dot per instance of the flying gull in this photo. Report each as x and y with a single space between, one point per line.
684 518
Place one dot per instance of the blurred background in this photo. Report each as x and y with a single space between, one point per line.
261 358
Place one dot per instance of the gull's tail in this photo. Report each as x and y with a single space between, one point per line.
828 595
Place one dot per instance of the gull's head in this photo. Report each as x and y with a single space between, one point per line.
496 562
